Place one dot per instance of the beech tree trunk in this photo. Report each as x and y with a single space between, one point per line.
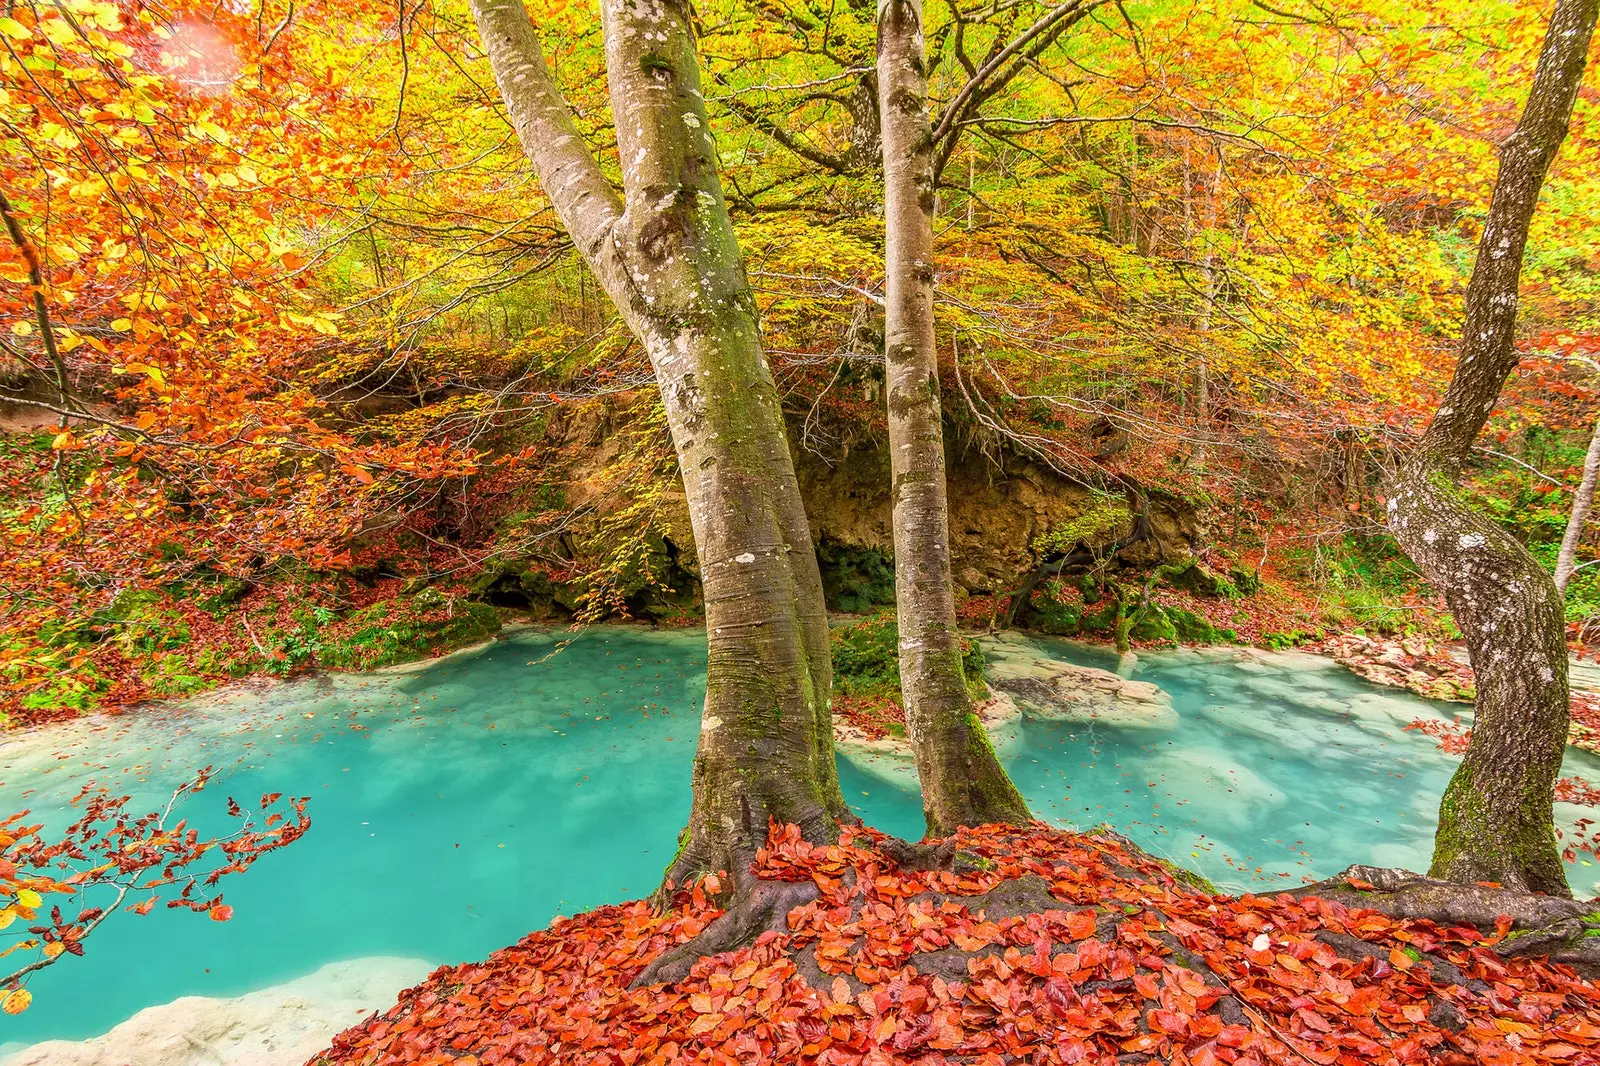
1495 822
963 783
1567 557
666 256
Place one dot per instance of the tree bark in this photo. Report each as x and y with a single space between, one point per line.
963 783
1567 557
1495 821
666 256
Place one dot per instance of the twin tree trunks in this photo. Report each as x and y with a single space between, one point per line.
962 781
1496 822
665 253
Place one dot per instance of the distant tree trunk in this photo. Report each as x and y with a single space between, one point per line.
1495 822
666 256
1567 558
963 782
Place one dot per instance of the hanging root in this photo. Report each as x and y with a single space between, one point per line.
1563 930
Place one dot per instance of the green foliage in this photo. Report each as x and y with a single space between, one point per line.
866 659
1058 608
855 580
1364 580
398 631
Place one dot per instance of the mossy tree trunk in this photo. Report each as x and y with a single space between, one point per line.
665 253
963 783
1495 822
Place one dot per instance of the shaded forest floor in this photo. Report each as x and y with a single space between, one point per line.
1031 945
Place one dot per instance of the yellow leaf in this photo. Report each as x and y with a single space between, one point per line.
29 898
54 948
17 1001
14 29
60 441
122 325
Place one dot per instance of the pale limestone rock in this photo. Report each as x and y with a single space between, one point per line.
280 1026
1048 688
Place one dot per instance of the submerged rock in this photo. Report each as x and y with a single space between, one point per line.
279 1026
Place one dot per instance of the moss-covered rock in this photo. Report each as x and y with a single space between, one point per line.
1201 580
140 620
1052 616
523 586
1153 624
1193 629
1244 580
217 596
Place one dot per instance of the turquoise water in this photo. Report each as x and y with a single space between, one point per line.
457 807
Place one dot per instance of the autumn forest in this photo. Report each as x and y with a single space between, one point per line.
1020 531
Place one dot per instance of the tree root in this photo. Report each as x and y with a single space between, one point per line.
759 906
1563 930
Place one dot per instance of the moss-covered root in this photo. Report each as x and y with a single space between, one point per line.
1560 929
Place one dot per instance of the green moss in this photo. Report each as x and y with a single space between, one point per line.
1245 581
1291 639
172 675
1193 629
1054 610
1153 624
1199 579
1468 828
1106 516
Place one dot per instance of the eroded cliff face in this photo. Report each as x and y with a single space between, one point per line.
1003 518
1006 516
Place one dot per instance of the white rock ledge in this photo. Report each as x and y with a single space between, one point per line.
280 1026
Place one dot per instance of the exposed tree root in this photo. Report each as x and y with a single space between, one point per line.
1563 930
760 906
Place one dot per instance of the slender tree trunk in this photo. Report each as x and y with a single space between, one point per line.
666 256
962 781
1567 558
1202 324
1495 822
